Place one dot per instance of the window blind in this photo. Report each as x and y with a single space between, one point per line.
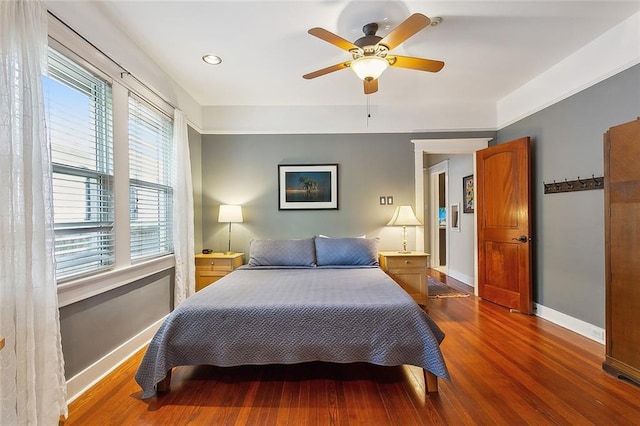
150 180
78 115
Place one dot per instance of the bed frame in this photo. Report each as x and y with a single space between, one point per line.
430 383
174 345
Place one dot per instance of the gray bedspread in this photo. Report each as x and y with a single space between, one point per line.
285 316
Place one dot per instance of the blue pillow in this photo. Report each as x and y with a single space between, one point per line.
347 251
282 253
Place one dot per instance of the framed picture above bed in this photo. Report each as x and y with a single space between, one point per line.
308 187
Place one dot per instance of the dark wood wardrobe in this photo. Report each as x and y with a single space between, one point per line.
622 250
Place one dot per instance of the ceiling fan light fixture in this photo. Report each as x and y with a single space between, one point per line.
369 68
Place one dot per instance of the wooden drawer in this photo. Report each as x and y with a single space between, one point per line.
406 262
215 264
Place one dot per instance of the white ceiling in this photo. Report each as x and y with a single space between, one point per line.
490 48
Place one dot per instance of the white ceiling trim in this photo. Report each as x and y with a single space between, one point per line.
614 51
450 146
328 119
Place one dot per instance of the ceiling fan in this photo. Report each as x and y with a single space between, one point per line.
371 54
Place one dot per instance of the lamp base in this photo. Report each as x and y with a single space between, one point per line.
229 252
404 251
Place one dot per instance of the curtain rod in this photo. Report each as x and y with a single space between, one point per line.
123 71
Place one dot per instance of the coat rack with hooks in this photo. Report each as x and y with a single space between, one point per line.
579 184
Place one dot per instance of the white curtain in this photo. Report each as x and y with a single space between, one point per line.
32 383
183 241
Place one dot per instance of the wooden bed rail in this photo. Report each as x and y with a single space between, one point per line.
430 383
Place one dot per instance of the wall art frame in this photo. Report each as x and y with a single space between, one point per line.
468 194
308 187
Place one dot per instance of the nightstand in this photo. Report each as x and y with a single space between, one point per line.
211 267
409 270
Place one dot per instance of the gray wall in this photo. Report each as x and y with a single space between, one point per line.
242 169
569 227
95 326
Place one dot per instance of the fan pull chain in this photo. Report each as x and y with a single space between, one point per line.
368 109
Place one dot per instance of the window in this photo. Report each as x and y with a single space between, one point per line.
78 114
150 180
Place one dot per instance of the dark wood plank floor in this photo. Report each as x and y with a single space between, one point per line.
506 368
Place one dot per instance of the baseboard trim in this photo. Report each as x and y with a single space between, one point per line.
468 280
574 324
81 382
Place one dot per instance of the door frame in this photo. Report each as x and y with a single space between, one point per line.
444 146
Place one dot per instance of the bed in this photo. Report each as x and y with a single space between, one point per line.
315 299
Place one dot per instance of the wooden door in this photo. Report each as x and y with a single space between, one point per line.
622 241
503 204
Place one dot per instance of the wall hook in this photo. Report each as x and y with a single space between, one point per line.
583 183
596 181
558 186
569 184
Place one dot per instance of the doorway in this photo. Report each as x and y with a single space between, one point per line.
440 146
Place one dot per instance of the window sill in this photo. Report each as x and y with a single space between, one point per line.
83 288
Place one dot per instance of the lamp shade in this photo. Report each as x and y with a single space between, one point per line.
404 216
369 67
229 213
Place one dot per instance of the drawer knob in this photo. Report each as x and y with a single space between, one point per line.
406 262
213 263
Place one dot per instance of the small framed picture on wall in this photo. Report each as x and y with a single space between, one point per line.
468 193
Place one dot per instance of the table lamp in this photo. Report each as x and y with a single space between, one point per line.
230 214
404 216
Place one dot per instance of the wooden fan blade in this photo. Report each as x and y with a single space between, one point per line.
370 86
330 37
327 70
419 64
406 29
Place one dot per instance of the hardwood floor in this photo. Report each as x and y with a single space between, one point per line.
506 368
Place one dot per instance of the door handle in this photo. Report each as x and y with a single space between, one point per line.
522 239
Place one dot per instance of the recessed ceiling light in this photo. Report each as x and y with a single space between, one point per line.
212 59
